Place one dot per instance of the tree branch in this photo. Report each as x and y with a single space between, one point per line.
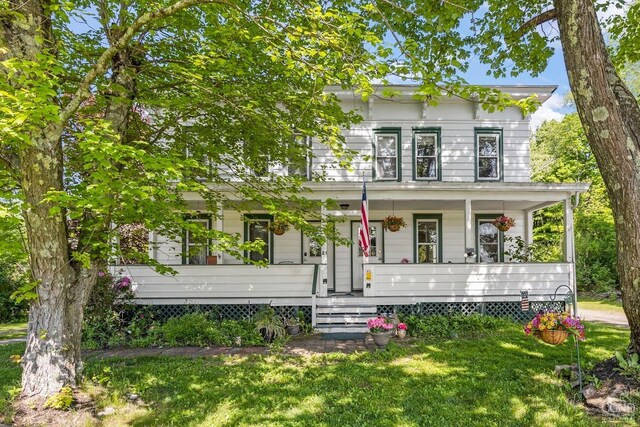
103 62
549 15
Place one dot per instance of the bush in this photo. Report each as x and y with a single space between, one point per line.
198 329
455 325
12 277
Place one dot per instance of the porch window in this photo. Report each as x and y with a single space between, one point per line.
488 154
196 248
258 227
427 238
426 151
387 155
489 239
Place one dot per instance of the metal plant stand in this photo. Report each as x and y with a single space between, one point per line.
571 298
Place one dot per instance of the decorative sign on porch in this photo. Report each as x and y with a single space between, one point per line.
524 300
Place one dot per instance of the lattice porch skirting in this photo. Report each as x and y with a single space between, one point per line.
508 309
226 311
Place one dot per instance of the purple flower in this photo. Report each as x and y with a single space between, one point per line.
101 274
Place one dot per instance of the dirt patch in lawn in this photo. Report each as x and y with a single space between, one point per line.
31 413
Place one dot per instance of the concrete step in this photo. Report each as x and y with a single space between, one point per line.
341 328
360 319
354 309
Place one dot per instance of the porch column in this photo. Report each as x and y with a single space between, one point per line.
528 227
568 231
219 227
469 239
324 267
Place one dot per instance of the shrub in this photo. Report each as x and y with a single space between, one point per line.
439 326
198 329
62 400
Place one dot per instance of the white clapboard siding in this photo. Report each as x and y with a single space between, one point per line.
224 281
467 280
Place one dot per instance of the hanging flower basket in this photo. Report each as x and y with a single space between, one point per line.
554 337
504 223
393 223
553 327
279 227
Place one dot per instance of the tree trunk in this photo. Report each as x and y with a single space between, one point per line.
52 357
610 116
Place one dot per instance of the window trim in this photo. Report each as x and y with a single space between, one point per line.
427 130
398 134
271 243
439 250
185 246
481 217
489 131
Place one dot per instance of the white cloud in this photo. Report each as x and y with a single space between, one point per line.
548 111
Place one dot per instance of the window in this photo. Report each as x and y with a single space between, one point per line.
387 155
489 239
488 154
427 238
426 151
301 166
258 227
195 245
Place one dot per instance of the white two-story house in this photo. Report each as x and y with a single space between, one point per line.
448 170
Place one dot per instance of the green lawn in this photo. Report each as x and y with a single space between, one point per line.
501 379
12 330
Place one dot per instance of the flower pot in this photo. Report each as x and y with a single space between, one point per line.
393 227
503 228
293 329
554 337
402 333
381 339
279 231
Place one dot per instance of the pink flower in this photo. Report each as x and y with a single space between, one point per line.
402 326
101 274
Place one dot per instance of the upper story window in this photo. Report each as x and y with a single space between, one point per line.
426 154
301 166
386 149
488 154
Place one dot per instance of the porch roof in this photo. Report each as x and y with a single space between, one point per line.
441 195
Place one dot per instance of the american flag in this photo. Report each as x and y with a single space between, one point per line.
364 240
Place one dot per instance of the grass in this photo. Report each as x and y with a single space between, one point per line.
12 330
503 379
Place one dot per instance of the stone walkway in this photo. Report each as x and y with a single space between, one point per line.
298 346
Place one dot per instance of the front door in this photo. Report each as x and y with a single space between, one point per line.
376 251
311 251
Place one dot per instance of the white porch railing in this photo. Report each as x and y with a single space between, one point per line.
458 282
232 283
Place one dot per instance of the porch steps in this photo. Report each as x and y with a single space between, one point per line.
342 316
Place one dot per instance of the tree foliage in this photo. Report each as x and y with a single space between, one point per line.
560 153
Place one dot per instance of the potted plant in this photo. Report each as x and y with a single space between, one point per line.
279 227
553 327
269 324
393 223
293 326
401 330
504 223
380 330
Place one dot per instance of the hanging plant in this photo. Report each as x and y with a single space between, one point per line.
504 223
393 223
279 227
